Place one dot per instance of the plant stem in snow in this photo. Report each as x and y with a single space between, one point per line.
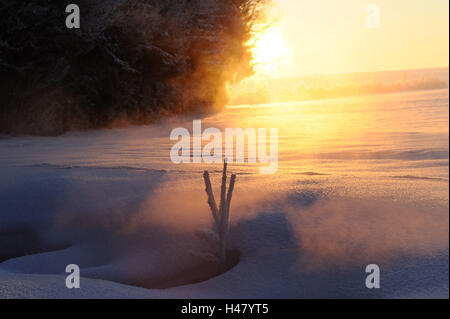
222 216
211 201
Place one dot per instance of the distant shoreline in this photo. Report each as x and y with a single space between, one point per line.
337 86
232 106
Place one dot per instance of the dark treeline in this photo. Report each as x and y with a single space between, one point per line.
131 62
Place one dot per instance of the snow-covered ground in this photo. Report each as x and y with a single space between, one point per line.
360 181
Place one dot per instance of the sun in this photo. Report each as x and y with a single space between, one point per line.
271 53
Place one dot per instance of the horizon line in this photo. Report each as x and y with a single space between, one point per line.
357 73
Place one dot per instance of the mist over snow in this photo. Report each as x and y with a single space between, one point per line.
112 202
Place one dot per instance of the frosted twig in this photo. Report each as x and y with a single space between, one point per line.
223 194
211 201
222 216
229 196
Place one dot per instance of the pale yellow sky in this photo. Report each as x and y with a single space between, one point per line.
330 36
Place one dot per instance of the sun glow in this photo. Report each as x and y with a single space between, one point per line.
271 53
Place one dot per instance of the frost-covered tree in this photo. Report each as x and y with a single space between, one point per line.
131 62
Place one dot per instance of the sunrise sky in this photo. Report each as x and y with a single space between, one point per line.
329 36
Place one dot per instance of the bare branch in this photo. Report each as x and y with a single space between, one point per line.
211 201
223 194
